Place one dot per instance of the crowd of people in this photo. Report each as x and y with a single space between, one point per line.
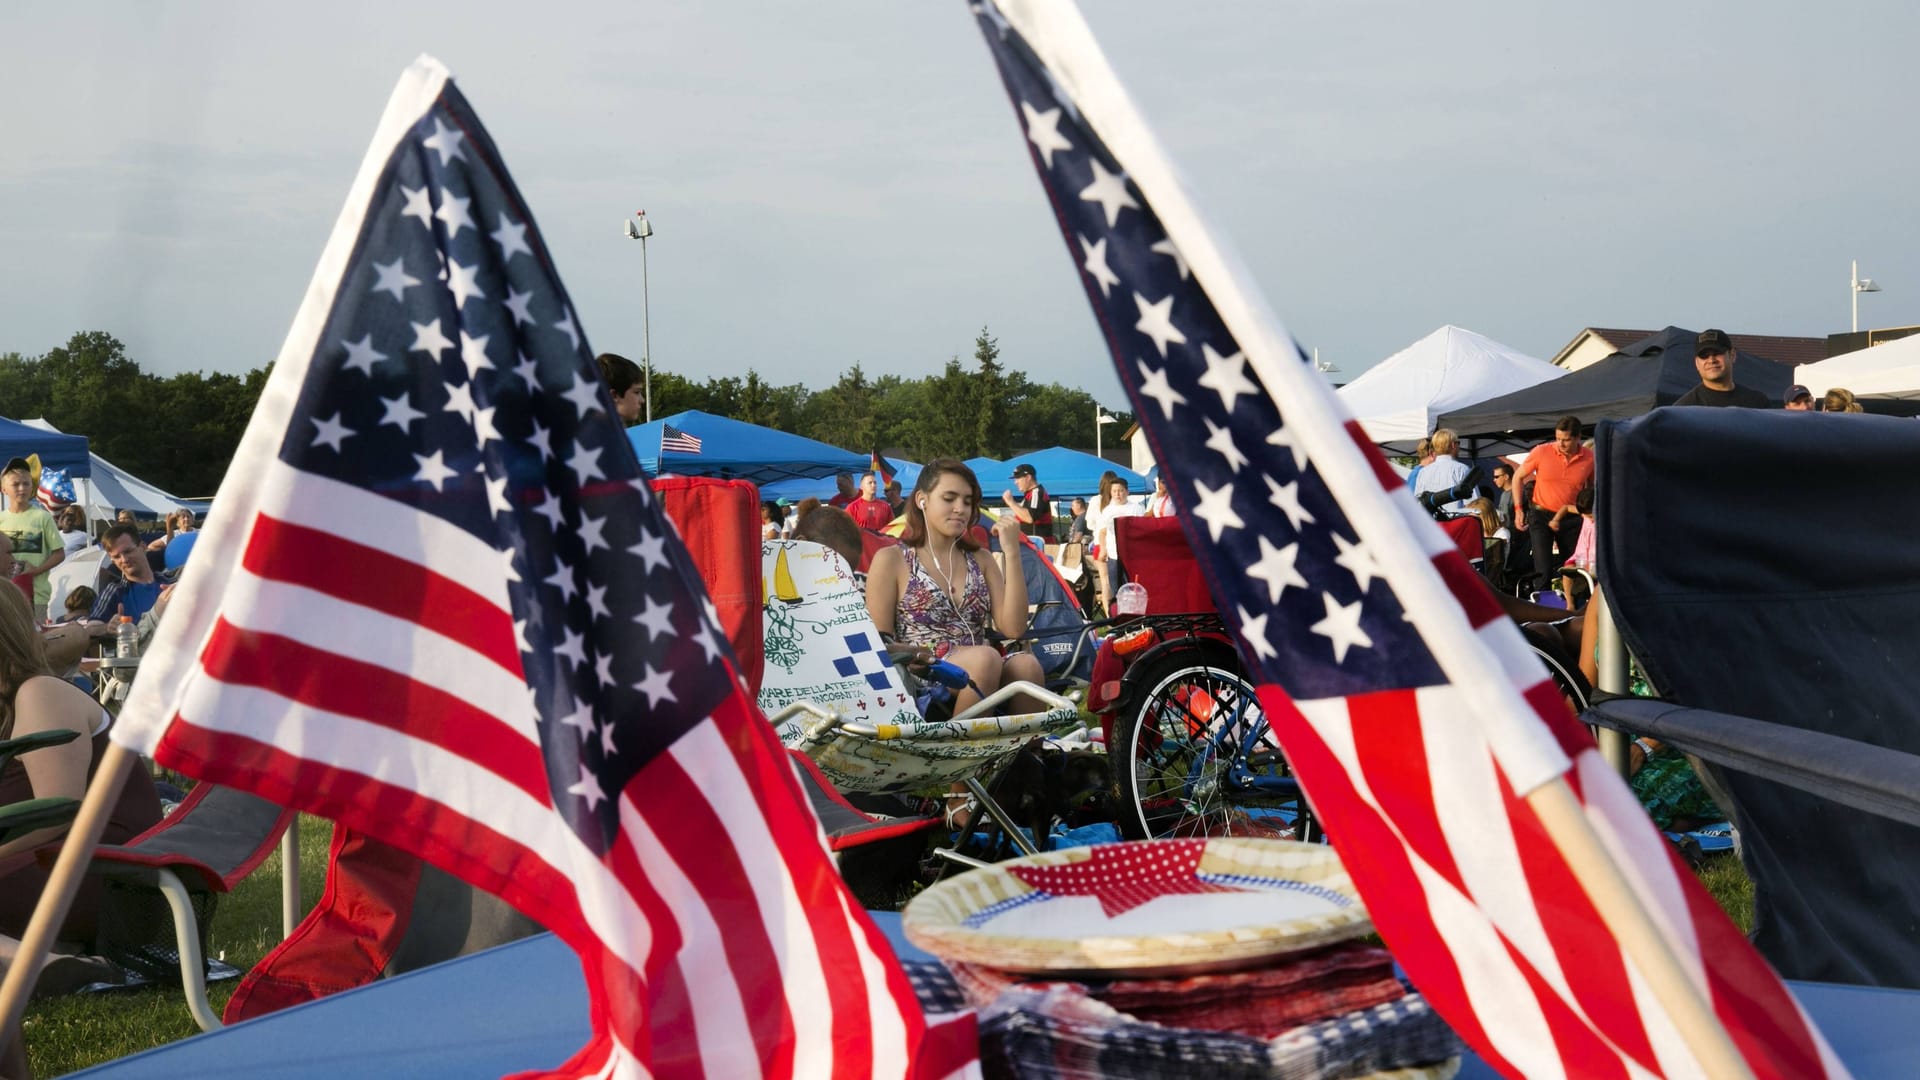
44 688
1539 538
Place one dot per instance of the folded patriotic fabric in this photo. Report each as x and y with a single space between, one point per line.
1262 1002
1396 1035
934 986
1265 1001
1054 1030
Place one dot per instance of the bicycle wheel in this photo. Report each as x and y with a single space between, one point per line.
1194 757
1566 678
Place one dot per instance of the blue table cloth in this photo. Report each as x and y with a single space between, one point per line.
524 1006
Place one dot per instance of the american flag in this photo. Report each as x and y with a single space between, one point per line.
1408 705
672 438
440 605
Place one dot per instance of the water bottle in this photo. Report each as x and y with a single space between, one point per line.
1131 599
125 646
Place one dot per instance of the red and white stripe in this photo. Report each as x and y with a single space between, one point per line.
1477 902
336 671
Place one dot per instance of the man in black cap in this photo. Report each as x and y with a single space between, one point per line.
1031 506
1799 399
1713 358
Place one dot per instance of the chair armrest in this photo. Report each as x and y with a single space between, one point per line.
1876 779
21 818
12 748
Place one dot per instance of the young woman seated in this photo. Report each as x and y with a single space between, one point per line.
939 589
34 700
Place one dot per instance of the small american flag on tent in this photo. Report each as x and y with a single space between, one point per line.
672 438
1407 703
441 605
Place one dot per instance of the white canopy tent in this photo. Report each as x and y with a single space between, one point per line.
1398 399
1891 370
112 488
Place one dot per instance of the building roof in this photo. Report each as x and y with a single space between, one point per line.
1774 347
1615 340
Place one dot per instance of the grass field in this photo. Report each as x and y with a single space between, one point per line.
65 1034
68 1033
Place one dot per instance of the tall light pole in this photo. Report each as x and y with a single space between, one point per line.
640 232
1860 285
1100 420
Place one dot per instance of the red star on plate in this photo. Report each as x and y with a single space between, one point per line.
1124 876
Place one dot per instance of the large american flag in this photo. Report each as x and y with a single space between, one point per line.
1409 706
440 604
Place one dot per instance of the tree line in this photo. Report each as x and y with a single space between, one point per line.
967 410
180 431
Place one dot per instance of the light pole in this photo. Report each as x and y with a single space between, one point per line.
1100 420
1860 285
640 232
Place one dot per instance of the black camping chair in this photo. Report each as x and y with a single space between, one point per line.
1762 568
1058 633
171 876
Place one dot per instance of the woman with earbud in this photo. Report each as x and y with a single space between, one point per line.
940 589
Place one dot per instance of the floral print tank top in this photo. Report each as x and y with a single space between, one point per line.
929 616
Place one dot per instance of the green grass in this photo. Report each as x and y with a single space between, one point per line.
69 1033
1727 880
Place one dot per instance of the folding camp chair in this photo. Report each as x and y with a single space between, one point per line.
1058 633
833 693
29 815
209 844
1779 631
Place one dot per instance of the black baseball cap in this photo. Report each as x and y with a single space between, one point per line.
1713 339
1023 470
1796 392
17 463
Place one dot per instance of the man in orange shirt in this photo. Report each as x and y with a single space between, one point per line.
1559 470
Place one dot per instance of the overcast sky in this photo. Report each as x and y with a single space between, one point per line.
845 182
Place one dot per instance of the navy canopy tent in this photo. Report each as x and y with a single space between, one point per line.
1650 372
57 451
1063 472
736 450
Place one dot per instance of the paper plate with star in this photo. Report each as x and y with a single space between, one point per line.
1155 907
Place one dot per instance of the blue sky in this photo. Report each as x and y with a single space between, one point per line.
840 183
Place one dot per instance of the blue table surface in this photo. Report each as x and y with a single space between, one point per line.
524 1006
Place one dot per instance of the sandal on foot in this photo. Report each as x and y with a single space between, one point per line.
959 811
65 974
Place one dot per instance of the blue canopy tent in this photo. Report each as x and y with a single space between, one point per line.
736 450
823 488
57 451
1063 472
